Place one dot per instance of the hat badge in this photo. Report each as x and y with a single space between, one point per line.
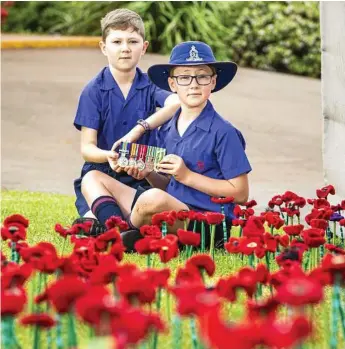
194 55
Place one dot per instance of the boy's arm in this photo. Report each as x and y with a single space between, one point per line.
171 104
89 149
157 180
160 117
236 187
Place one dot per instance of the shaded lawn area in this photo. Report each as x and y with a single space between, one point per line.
45 210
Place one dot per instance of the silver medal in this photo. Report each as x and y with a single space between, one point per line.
123 162
150 164
140 165
132 162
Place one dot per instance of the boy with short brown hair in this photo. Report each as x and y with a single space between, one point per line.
117 105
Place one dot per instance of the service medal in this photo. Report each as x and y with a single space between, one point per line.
142 154
132 162
160 153
123 161
141 165
150 158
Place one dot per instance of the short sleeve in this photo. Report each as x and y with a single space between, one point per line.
160 96
230 152
89 109
162 134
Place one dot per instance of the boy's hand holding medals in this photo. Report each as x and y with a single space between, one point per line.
138 160
174 165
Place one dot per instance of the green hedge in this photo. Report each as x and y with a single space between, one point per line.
278 36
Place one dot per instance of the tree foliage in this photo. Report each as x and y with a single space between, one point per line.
278 36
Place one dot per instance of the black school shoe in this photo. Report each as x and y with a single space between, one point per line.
129 238
96 229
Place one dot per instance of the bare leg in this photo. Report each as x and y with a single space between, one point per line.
96 184
89 214
155 201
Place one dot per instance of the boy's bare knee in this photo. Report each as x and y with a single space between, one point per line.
90 178
149 202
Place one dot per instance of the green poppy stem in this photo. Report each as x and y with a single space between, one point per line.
33 286
72 335
49 332
148 259
334 231
168 305
37 308
342 315
164 228
8 336
59 340
63 246
311 264
307 260
334 314
322 251
267 258
13 252
251 260
202 236
213 233
281 213
225 233
190 251
158 307
194 335
177 334
36 337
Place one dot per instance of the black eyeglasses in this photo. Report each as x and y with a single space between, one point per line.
185 80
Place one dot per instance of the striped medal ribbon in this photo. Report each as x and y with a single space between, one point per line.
160 153
123 161
150 158
134 151
142 153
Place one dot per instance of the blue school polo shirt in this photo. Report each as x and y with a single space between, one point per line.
103 107
210 146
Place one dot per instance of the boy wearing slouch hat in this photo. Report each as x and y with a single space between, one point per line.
206 154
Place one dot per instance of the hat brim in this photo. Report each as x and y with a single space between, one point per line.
225 71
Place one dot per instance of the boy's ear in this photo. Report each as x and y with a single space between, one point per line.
145 46
214 81
172 84
102 47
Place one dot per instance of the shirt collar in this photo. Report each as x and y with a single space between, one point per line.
203 121
141 80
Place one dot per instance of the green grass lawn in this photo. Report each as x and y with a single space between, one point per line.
44 210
